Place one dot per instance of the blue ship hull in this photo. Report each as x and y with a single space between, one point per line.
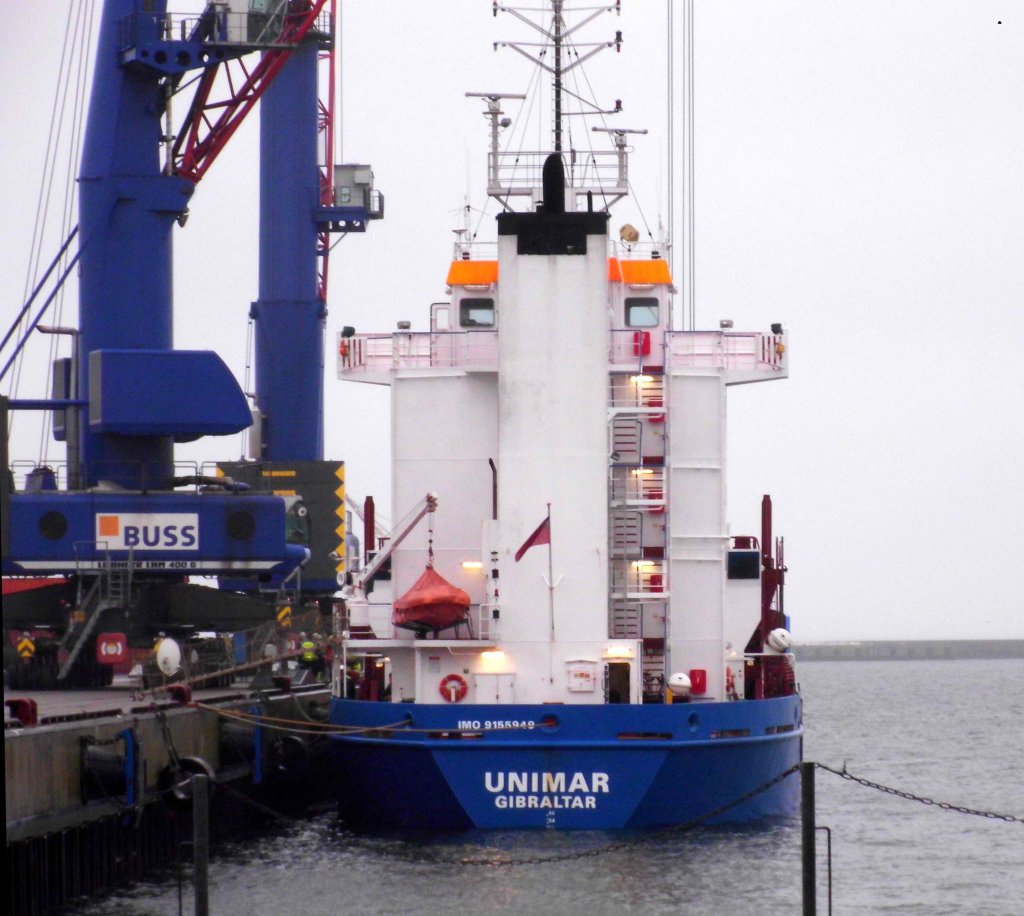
440 767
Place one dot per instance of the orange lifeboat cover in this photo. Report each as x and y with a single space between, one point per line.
433 603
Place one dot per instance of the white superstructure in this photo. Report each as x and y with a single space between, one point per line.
565 374
553 378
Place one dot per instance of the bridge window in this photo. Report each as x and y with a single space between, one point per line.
641 312
476 313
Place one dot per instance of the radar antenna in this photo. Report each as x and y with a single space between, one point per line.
601 174
555 37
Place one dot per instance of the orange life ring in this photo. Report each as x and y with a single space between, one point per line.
343 348
454 688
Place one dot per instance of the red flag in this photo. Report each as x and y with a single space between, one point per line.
541 536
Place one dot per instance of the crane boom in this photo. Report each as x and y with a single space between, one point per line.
402 531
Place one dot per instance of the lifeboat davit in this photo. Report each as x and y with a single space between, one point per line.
432 604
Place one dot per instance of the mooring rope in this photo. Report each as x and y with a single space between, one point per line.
295 726
165 728
326 728
256 805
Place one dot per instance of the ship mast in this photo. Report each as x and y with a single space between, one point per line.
558 54
557 27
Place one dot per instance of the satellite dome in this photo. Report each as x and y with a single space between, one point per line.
679 684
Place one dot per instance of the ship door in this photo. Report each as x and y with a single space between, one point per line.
494 688
440 316
442 342
617 680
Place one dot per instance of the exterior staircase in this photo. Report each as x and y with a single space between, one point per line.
637 505
110 589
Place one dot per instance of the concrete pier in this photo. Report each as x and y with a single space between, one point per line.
97 789
908 649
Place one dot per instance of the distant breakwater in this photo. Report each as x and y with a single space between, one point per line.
904 649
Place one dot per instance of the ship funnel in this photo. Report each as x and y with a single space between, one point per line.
554 184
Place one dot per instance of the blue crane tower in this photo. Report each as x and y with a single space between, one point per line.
128 526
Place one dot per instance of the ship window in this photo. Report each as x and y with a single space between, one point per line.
296 523
744 564
476 313
641 312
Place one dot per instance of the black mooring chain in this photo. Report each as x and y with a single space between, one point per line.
946 806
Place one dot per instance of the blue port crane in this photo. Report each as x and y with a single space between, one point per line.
127 395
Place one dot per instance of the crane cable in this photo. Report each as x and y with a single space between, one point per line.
72 82
689 179
600 114
670 67
81 65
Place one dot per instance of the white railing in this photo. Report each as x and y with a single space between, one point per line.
604 173
746 355
480 614
376 617
379 619
380 355
474 251
636 347
638 580
638 394
23 468
725 349
644 250
642 486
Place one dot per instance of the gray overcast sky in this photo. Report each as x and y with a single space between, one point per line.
860 178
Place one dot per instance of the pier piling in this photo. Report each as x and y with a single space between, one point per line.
808 838
201 843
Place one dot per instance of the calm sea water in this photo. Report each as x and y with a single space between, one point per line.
949 730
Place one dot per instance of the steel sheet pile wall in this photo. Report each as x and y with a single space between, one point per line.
46 872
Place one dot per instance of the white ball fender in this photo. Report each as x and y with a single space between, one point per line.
168 656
